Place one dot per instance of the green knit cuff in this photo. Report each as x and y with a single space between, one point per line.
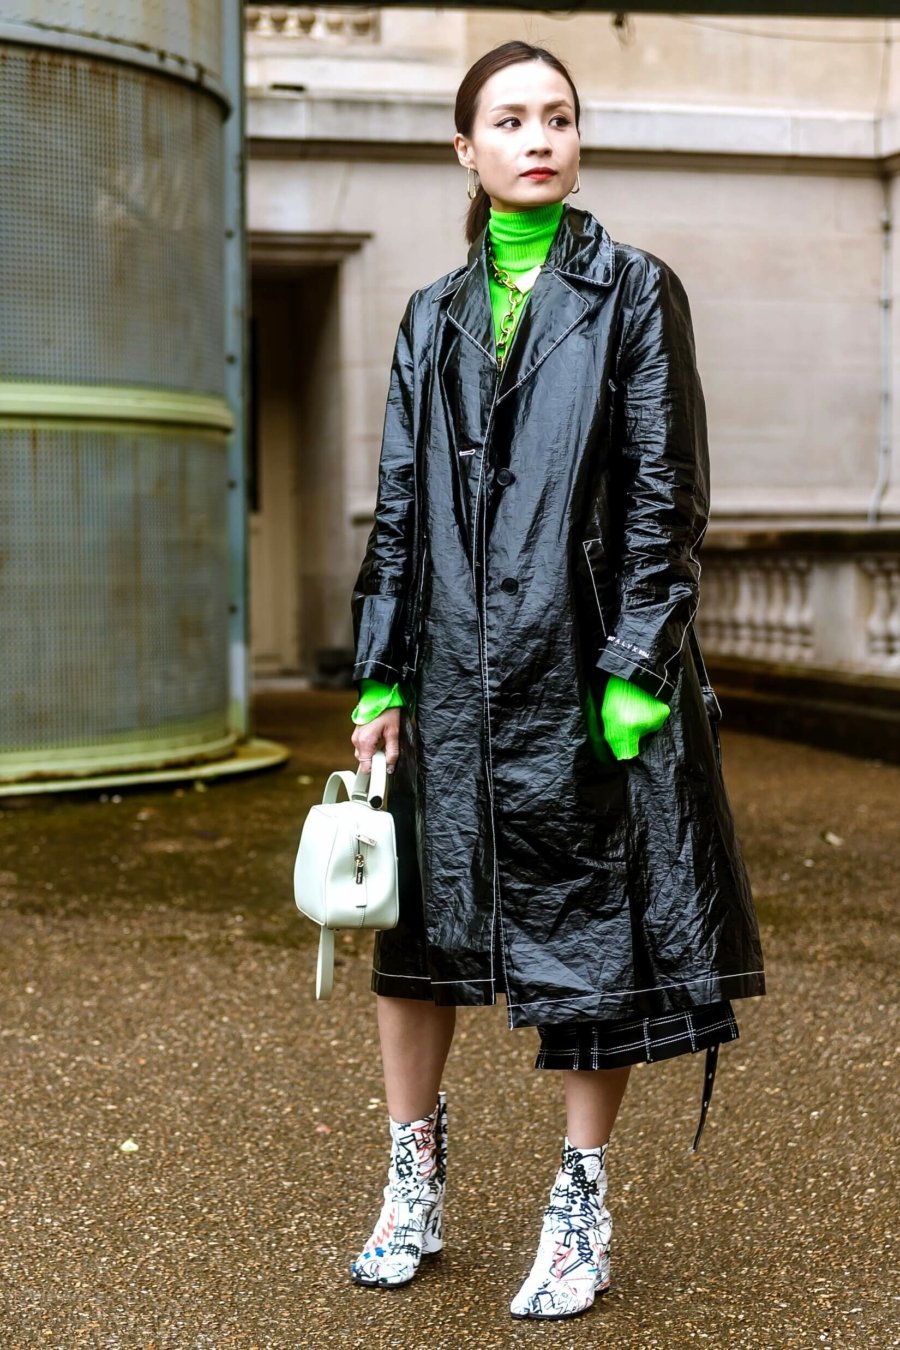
595 729
628 714
376 698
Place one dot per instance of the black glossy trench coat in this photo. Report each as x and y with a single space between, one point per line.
536 531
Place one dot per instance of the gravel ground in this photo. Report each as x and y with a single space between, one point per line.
157 994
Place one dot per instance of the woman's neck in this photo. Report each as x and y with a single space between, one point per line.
522 239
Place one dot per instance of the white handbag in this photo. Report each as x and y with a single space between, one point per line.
345 874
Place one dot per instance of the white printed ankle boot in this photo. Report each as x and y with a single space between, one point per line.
572 1262
410 1225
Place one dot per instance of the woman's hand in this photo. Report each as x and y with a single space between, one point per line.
382 733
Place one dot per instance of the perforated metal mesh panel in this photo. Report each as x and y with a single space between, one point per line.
111 225
113 589
114 602
186 28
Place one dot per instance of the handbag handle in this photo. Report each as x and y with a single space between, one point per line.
376 793
364 787
341 777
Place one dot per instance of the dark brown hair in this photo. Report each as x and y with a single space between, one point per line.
467 95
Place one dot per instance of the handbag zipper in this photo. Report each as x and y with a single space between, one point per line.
359 857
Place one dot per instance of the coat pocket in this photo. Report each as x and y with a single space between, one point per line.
599 576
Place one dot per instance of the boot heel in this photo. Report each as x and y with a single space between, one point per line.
433 1241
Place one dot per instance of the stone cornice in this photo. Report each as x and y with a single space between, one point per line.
419 122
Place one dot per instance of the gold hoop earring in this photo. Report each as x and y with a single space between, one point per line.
473 183
577 187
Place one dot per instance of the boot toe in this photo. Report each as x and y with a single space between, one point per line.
376 1272
551 1301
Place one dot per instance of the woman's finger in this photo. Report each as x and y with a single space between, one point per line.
366 745
391 747
383 732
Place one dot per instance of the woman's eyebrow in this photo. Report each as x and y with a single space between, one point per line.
522 107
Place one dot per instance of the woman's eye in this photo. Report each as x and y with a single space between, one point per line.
558 118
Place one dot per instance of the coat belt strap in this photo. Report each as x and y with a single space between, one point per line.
709 1078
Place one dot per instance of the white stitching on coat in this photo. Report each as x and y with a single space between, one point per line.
465 332
593 582
655 674
485 673
726 1025
528 374
389 975
688 622
381 665
649 989
465 980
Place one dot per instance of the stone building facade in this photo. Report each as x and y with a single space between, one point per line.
758 157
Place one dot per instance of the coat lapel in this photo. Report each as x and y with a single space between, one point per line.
578 269
551 311
470 308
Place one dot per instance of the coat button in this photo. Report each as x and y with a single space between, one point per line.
504 477
516 700
509 585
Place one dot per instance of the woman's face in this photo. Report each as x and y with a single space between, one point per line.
525 121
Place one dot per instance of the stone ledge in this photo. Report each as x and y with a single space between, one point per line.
424 119
815 539
857 714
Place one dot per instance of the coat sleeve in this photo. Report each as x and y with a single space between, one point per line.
386 575
662 488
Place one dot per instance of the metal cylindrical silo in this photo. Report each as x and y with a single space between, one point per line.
114 423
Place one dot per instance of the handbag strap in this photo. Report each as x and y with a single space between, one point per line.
325 963
364 787
335 781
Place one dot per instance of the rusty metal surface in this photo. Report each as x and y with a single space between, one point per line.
189 29
113 595
111 225
113 540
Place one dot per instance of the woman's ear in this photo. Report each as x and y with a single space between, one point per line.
463 153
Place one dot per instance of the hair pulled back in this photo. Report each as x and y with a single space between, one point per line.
467 95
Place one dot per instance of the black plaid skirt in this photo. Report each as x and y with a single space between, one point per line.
631 1040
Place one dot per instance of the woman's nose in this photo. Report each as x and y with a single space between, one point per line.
538 140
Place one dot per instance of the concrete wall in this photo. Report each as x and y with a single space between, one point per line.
813 64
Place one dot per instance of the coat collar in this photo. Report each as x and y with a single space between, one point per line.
579 267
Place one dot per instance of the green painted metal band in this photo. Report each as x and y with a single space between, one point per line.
205 740
246 757
76 403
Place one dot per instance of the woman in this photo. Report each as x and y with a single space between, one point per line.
526 658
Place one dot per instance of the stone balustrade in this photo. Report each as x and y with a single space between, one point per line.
821 600
323 24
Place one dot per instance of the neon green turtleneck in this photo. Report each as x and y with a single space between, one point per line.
521 242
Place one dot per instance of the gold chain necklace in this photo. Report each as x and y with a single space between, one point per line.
516 297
